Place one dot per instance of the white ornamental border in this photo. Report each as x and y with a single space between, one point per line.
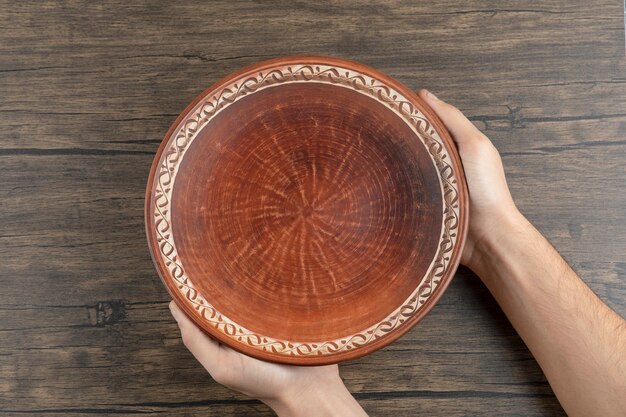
202 114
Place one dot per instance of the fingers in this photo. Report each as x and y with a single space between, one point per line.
461 129
205 349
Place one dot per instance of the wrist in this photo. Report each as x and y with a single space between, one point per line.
328 399
491 247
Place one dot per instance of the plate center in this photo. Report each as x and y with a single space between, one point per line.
306 211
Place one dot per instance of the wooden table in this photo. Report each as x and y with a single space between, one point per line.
88 89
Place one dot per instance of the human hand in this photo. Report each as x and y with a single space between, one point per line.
288 390
491 204
558 316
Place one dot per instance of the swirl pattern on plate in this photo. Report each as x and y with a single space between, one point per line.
203 113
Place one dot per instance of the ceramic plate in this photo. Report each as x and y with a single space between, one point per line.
306 210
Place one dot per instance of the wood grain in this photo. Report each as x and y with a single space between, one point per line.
88 90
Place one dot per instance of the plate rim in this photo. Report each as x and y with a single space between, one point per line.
380 342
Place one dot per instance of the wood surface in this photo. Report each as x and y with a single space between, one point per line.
87 91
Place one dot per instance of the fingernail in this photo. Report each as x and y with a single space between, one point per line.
431 95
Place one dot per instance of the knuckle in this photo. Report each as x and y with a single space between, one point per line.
480 139
219 375
480 144
483 141
187 338
455 110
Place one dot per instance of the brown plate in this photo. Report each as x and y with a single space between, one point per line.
306 210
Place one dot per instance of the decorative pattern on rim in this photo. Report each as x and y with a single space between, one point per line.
247 84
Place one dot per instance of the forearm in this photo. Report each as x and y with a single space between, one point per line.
320 401
579 342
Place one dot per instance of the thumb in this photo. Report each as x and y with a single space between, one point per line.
205 349
461 129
